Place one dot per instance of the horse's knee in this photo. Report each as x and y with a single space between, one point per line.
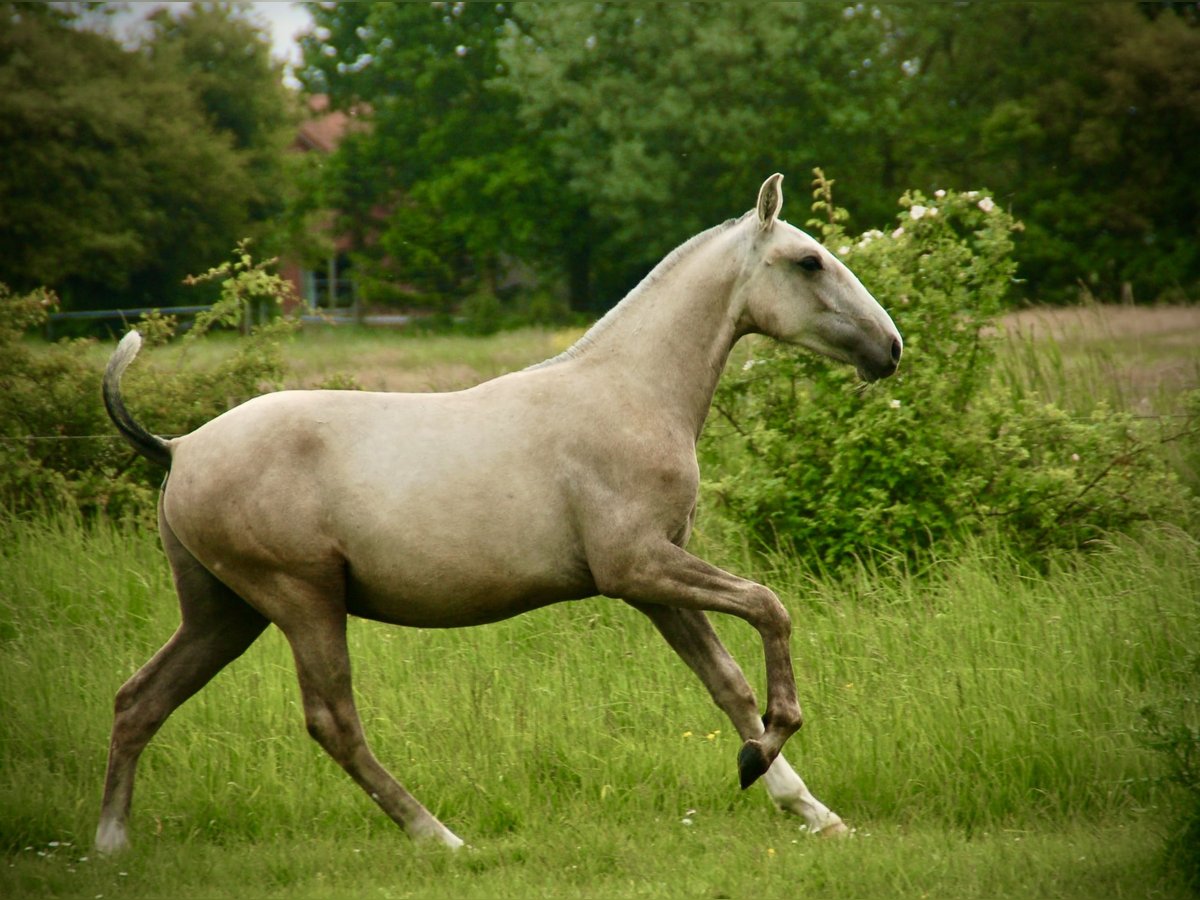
126 698
319 722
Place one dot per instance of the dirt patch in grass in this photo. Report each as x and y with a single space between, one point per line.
1172 325
1147 356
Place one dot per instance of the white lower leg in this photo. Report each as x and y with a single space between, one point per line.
111 836
788 792
430 829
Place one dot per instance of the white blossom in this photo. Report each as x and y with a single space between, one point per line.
894 404
898 232
917 211
939 193
843 250
873 235
987 204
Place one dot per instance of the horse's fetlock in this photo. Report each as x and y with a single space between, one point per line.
786 719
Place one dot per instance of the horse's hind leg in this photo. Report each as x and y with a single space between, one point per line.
691 635
317 634
217 626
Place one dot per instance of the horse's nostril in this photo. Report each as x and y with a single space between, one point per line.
896 350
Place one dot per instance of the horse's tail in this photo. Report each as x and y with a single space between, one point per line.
144 442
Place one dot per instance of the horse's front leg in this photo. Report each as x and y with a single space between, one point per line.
691 635
662 574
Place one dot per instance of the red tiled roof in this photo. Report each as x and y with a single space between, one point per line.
326 128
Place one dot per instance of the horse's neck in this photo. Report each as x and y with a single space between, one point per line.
671 336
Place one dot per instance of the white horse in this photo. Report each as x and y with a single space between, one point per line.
573 478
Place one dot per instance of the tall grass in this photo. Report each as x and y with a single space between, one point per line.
975 699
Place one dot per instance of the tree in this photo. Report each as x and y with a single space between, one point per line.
441 189
1088 140
225 59
1120 180
657 113
118 180
614 131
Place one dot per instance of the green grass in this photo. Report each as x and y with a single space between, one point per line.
978 726
378 358
725 857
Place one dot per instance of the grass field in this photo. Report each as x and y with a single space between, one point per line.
979 726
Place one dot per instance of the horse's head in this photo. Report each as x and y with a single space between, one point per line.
797 291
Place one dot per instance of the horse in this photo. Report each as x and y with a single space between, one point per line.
573 478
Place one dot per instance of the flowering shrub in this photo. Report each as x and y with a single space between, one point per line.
808 459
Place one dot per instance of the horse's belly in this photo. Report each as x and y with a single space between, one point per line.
480 552
431 588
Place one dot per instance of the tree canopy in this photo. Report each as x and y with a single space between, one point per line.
127 169
588 139
581 142
446 182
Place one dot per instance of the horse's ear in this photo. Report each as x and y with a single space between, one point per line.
770 201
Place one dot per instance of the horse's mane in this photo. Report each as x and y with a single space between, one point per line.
668 262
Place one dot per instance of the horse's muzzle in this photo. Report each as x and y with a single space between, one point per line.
873 368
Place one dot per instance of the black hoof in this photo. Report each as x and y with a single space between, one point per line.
752 763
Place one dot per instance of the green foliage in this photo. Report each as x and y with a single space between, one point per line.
442 192
945 449
589 139
225 61
486 313
658 116
58 449
123 171
1096 153
1172 727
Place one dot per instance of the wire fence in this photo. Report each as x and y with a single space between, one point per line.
122 315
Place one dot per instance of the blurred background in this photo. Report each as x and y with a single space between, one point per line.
426 158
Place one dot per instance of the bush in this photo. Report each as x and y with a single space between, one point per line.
58 448
1173 729
482 313
811 461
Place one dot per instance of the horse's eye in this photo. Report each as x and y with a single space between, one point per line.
810 263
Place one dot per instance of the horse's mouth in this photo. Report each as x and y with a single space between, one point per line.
876 371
